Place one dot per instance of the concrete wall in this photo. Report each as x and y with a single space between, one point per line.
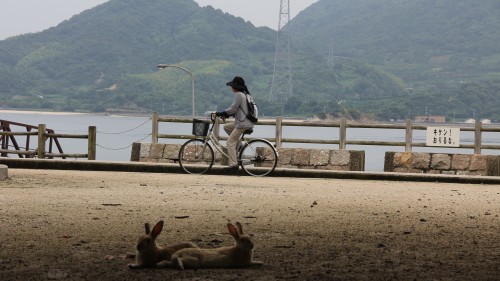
322 159
438 163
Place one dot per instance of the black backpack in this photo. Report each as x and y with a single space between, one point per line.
253 111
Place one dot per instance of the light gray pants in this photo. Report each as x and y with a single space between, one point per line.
232 142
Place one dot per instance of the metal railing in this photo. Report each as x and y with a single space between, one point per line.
43 134
342 126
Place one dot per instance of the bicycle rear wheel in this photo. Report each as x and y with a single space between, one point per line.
196 157
258 158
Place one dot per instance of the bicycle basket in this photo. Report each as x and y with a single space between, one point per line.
200 128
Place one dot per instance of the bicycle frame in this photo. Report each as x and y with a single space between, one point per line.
214 142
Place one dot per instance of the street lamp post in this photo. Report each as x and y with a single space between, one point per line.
163 66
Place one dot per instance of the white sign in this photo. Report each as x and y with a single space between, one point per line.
443 137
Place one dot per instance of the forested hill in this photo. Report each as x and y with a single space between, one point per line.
444 50
126 36
108 46
456 34
392 59
106 57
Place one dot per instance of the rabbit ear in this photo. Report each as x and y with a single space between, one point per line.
147 227
233 231
157 229
240 228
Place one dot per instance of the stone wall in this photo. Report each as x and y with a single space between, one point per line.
155 153
322 159
339 160
438 163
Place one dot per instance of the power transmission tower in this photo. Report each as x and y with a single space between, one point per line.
331 55
281 88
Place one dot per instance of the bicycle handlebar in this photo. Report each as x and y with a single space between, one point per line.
213 117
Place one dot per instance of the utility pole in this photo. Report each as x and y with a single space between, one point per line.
281 89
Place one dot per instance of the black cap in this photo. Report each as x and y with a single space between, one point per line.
238 83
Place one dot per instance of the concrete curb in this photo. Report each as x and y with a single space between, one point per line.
217 170
4 172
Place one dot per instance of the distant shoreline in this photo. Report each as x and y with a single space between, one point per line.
17 111
62 113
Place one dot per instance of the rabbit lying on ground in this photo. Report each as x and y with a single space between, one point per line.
149 254
239 255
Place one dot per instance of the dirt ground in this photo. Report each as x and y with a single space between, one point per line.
64 225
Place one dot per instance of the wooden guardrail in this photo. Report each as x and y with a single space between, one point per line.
342 126
43 135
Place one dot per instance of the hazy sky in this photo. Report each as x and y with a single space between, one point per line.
24 16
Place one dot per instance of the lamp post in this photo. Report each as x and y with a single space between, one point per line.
163 66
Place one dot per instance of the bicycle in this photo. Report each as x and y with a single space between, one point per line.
257 157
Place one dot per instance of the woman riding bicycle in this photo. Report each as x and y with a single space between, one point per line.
238 109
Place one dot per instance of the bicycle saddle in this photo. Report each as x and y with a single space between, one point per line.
248 132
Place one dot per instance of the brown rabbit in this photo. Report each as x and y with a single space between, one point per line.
148 254
239 255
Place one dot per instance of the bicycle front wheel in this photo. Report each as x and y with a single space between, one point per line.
258 158
196 157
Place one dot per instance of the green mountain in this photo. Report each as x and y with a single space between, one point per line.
447 52
90 57
105 59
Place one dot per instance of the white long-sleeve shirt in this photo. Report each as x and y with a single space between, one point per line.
239 109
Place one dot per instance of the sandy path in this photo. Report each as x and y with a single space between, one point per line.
58 225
